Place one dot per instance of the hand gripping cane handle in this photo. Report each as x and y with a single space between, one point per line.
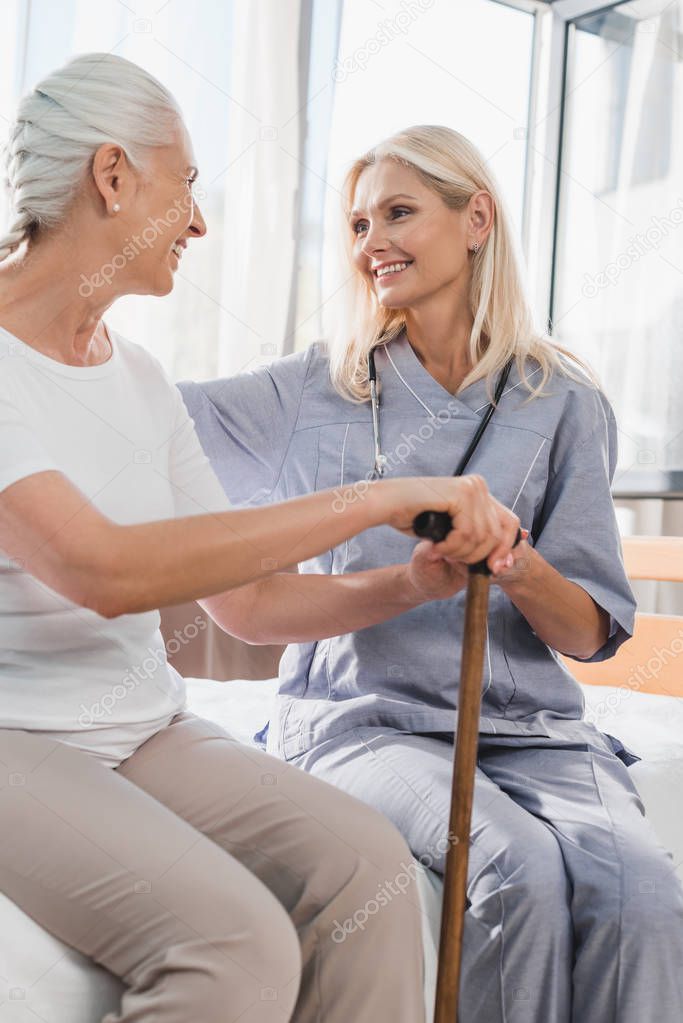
436 526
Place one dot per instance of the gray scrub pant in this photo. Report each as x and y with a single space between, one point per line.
211 878
575 912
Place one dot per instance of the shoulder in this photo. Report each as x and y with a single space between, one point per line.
146 380
301 367
13 364
278 384
569 401
136 358
586 406
580 421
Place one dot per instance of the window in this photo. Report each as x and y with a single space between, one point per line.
618 289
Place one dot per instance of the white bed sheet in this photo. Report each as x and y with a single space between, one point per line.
41 978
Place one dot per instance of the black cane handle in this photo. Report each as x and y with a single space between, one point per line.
436 526
431 525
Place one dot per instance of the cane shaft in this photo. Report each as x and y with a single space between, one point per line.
462 793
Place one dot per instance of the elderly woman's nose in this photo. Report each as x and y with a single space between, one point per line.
198 225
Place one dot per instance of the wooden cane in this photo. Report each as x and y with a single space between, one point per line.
462 793
436 526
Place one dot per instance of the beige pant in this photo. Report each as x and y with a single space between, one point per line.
219 883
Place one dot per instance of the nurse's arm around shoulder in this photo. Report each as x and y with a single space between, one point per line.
50 528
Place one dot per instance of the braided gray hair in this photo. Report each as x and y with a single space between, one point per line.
94 99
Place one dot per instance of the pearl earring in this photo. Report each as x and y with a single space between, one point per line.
115 208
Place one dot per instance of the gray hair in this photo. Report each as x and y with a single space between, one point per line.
94 99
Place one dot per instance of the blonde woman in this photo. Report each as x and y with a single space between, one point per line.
208 876
575 912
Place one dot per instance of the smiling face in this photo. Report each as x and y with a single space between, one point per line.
407 243
169 213
158 214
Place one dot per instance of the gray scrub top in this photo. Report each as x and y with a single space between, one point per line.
282 431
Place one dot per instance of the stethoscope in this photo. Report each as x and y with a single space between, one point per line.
434 526
381 460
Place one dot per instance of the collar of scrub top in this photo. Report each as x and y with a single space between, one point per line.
381 460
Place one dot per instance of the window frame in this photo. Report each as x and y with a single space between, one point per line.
559 18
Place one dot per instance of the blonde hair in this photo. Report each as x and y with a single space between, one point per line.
503 325
60 124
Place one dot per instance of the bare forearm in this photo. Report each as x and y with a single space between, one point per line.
559 611
58 535
289 608
169 562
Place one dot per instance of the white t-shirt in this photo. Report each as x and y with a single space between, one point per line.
120 432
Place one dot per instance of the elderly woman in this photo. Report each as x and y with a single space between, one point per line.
208 876
575 910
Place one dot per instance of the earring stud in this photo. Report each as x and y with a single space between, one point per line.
115 208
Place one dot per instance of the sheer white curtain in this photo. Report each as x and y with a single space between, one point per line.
261 182
12 42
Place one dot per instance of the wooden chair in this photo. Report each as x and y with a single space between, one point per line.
657 639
